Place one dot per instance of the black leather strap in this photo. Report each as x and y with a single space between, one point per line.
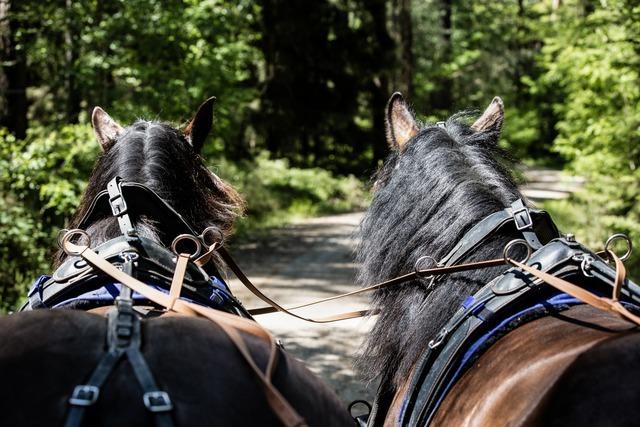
139 199
524 223
124 339
119 208
513 288
535 225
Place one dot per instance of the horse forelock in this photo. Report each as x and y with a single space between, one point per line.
158 156
445 181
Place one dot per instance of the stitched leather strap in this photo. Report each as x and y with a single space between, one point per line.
178 279
277 307
386 284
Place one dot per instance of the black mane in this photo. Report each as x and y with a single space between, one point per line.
159 156
445 181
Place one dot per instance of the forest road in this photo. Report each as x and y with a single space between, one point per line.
308 260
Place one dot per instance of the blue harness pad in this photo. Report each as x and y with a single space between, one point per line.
220 294
476 348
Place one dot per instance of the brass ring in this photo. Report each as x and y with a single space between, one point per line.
209 231
73 249
511 244
186 237
619 236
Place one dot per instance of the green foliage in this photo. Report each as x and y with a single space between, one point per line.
140 58
593 60
276 192
41 179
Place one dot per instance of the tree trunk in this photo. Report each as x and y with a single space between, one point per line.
13 80
379 86
442 97
404 31
71 56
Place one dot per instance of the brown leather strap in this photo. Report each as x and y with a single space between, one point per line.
178 279
274 307
602 303
227 322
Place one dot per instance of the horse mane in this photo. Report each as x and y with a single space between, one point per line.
158 156
426 197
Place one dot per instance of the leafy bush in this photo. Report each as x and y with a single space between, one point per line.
592 62
276 192
41 179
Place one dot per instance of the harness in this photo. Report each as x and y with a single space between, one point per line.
513 298
180 280
78 284
516 295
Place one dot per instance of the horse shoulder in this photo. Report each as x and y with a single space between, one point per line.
544 371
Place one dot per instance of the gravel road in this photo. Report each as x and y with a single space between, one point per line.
308 260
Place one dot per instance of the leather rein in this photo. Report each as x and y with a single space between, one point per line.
211 239
204 245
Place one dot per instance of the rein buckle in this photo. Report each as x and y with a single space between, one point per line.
522 218
157 401
84 395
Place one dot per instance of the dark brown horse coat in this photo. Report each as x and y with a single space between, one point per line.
566 369
44 354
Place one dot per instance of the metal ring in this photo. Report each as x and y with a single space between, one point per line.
619 236
208 232
356 402
59 237
511 244
186 237
73 249
419 260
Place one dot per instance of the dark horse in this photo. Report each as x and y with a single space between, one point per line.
44 354
579 366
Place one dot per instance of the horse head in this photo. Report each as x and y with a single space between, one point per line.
169 162
438 181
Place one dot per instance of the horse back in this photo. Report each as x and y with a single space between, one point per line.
579 367
44 354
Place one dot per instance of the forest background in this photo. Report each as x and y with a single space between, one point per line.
301 88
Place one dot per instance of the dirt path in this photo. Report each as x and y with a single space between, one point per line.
304 261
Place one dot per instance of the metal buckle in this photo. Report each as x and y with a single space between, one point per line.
118 204
434 343
84 395
528 222
157 401
585 261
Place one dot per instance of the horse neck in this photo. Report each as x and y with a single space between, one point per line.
410 317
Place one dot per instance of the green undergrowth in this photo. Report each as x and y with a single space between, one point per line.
43 176
277 193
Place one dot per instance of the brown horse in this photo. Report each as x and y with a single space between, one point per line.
564 364
45 354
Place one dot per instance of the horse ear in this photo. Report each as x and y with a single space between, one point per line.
400 123
492 117
104 127
198 129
